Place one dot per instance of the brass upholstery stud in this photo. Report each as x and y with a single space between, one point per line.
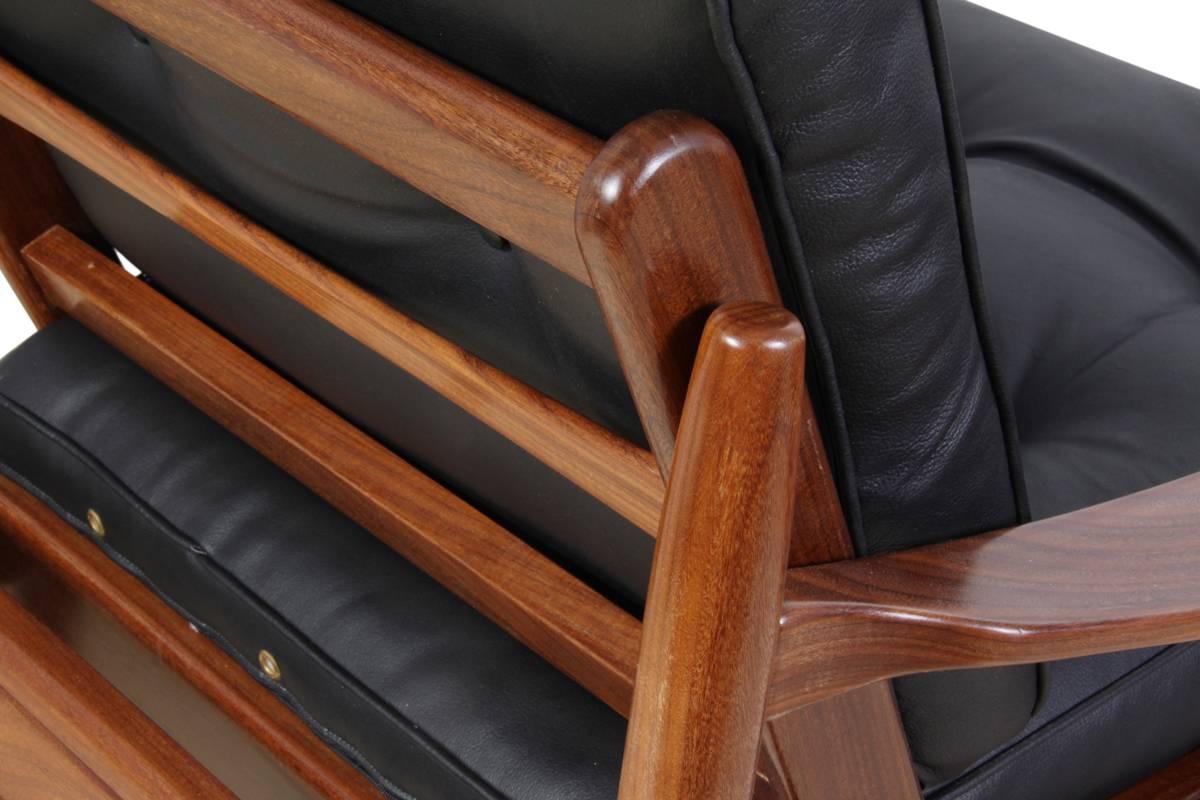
95 523
270 666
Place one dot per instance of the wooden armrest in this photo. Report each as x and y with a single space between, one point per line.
1116 576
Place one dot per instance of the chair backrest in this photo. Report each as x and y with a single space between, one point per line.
840 114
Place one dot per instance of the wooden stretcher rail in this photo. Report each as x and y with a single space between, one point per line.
67 732
553 613
1115 576
619 474
83 568
504 163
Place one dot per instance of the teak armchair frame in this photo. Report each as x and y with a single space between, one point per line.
763 662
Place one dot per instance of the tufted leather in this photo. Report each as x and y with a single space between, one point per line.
413 686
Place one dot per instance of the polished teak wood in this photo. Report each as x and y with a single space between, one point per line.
616 472
54 698
541 604
1119 575
32 199
1179 781
710 625
669 232
506 164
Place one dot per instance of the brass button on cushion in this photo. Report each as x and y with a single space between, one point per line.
95 523
269 665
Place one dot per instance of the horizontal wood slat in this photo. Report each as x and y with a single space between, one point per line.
619 474
553 613
1115 576
100 732
83 568
504 163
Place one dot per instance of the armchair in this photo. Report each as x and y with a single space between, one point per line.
446 449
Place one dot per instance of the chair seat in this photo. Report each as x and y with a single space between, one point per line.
422 693
1086 200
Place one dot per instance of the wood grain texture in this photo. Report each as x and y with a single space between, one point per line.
711 619
553 613
34 765
237 759
619 474
93 722
669 232
45 537
1115 576
1179 781
32 198
502 162
858 739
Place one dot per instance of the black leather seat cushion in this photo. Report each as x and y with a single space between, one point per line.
1085 182
416 688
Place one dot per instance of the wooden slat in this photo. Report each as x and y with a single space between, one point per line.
619 474
82 567
712 610
1115 576
32 198
34 765
553 613
1178 781
108 736
500 161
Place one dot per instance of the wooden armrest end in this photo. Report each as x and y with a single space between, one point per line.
1115 576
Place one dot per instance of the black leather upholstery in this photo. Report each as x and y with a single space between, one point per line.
409 683
1086 193
837 110
843 111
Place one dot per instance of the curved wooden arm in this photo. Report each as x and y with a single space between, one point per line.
1116 576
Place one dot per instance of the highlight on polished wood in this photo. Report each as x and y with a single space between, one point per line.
53 704
669 231
1177 781
1115 576
710 625
504 163
81 567
538 602
33 198
618 473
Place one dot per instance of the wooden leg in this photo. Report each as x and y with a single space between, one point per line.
1179 781
712 616
848 747
33 198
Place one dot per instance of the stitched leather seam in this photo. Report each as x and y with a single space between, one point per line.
955 156
827 393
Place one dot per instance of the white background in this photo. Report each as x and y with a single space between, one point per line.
1158 35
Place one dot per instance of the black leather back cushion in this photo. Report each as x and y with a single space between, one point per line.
836 108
